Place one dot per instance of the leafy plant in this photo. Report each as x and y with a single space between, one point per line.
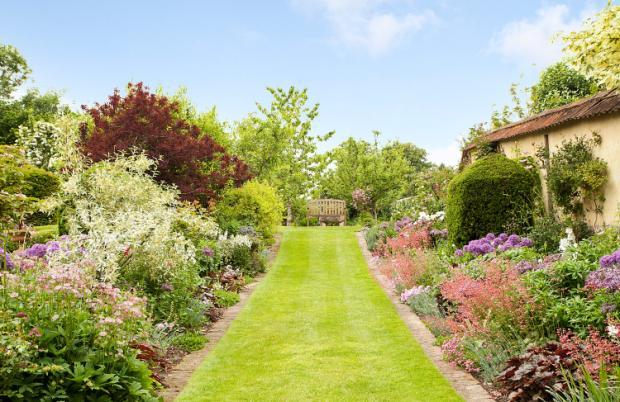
225 298
254 204
530 376
188 158
576 177
487 196
190 341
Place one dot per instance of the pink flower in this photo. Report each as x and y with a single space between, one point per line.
35 332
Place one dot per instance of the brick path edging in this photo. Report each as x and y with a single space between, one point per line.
466 385
180 374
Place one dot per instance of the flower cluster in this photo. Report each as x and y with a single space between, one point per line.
453 352
608 275
492 243
612 260
361 199
414 291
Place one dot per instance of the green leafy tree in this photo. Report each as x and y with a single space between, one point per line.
383 174
13 70
28 110
278 144
559 85
208 121
595 50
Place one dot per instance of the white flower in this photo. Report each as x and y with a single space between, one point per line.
613 330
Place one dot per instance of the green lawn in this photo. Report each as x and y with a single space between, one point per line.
318 328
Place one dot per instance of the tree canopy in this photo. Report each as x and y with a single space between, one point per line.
278 144
187 158
14 70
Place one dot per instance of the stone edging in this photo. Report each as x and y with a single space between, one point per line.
178 377
466 385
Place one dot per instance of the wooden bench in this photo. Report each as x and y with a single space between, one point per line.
327 210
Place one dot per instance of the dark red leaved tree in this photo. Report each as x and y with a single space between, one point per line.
189 159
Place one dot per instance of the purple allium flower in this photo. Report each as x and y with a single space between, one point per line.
7 257
491 243
607 308
459 253
611 260
36 251
208 252
53 246
604 278
402 223
167 287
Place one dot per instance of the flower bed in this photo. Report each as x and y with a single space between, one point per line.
497 306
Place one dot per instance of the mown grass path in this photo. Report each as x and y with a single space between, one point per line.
318 328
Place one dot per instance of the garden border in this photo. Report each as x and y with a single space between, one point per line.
464 383
178 377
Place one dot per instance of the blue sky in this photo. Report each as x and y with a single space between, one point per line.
419 71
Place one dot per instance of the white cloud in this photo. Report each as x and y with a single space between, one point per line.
367 24
449 155
531 40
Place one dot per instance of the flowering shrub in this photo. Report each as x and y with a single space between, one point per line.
492 243
189 159
40 143
65 333
361 199
414 291
493 304
608 275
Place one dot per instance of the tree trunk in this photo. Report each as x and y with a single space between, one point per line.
289 214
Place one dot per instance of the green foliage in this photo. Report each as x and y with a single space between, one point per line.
190 341
546 234
26 111
254 204
559 293
428 190
559 85
224 298
595 51
383 173
490 195
576 177
583 387
13 70
74 342
41 143
278 144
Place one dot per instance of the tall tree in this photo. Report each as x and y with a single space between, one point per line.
559 85
595 50
383 174
148 122
13 70
278 144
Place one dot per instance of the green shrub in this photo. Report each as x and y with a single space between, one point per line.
225 298
190 341
254 204
491 195
546 234
66 336
39 183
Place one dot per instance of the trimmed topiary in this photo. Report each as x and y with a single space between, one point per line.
491 195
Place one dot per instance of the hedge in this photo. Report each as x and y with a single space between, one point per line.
492 195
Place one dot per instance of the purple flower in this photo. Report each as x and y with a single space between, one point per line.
53 246
7 259
208 252
611 260
167 287
604 278
459 253
607 308
36 251
491 243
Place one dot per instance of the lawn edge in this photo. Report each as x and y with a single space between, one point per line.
179 376
464 383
